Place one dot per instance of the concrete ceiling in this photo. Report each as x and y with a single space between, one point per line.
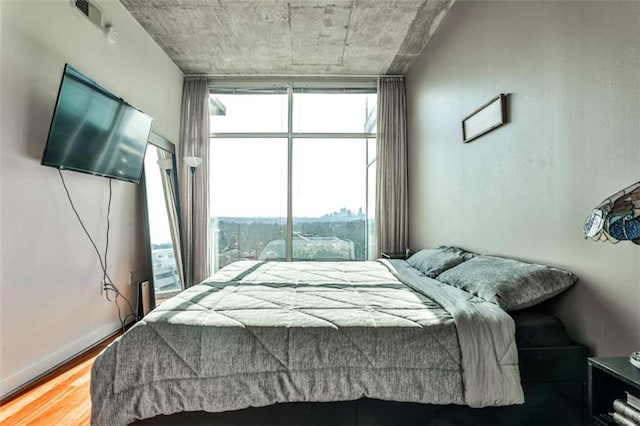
295 37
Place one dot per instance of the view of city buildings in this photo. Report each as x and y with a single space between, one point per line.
165 271
340 235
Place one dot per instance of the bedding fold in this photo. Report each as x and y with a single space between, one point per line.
486 336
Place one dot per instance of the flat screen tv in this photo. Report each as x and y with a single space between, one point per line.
95 131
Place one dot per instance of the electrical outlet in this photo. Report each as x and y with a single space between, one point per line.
131 276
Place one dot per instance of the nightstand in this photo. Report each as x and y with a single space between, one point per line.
390 255
609 379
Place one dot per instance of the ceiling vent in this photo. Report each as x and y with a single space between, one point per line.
90 10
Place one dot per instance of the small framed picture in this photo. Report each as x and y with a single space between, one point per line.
484 119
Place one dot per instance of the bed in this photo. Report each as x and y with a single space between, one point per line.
310 338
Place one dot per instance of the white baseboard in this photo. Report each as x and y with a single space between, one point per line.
47 363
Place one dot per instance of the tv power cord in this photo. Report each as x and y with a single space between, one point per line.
107 282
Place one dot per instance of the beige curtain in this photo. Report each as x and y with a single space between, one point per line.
392 234
194 142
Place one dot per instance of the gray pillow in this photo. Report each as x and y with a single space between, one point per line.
432 262
510 283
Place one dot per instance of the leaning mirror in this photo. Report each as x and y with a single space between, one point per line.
163 222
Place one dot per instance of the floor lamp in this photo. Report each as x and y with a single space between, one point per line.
193 163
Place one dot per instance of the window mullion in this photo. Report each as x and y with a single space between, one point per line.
294 135
248 135
309 135
289 237
366 200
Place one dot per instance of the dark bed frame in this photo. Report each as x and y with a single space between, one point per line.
553 379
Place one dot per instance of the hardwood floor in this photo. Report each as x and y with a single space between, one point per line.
60 398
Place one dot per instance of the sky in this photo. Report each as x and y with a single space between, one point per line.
249 176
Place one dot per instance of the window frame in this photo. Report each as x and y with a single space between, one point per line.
291 86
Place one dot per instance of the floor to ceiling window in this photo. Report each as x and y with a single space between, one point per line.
292 171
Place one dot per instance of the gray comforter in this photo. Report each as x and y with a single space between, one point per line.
258 333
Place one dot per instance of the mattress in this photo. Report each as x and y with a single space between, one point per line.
259 333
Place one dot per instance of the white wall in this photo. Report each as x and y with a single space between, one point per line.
572 70
50 300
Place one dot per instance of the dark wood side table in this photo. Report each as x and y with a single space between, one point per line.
609 379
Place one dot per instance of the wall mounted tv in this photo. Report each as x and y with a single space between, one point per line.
95 131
